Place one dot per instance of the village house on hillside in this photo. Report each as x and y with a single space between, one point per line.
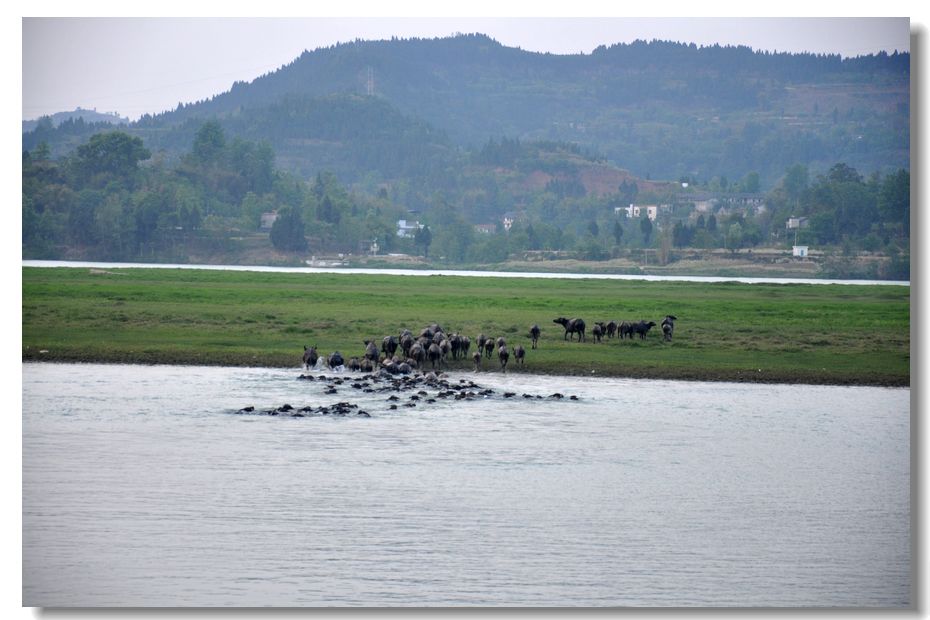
268 220
723 204
407 228
636 211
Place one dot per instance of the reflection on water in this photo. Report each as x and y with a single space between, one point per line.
143 487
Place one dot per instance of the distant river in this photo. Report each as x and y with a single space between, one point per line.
452 272
142 487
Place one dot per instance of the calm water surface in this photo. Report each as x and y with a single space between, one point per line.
143 487
462 272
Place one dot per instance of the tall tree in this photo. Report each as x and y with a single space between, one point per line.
115 153
423 238
287 232
209 142
645 226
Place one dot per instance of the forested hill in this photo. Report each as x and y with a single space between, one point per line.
658 109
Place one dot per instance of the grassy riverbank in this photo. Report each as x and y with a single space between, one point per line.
734 332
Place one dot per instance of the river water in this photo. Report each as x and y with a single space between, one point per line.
143 486
453 272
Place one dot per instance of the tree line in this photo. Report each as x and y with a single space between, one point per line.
112 199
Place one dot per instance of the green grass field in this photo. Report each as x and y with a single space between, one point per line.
736 332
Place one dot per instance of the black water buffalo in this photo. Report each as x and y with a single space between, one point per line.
488 347
446 347
371 351
310 357
519 354
476 358
504 356
354 364
612 329
389 346
365 365
335 360
642 328
571 326
418 353
625 330
457 343
406 341
598 331
480 340
534 334
668 326
434 354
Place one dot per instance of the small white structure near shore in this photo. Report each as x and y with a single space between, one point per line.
799 250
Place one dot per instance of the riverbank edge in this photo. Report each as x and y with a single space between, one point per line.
151 358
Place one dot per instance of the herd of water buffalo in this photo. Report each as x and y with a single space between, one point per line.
405 353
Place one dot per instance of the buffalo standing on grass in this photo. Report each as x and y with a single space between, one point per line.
418 354
534 335
519 354
612 329
626 330
434 354
668 326
642 328
504 356
371 351
389 346
572 326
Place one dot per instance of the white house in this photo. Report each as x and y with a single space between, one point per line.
407 228
268 220
636 211
799 250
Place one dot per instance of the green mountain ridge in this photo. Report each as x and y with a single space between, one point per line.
658 109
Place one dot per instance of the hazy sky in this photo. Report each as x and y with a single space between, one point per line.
138 65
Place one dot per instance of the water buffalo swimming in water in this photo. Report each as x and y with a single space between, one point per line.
571 327
335 360
668 326
310 357
642 328
534 334
504 356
